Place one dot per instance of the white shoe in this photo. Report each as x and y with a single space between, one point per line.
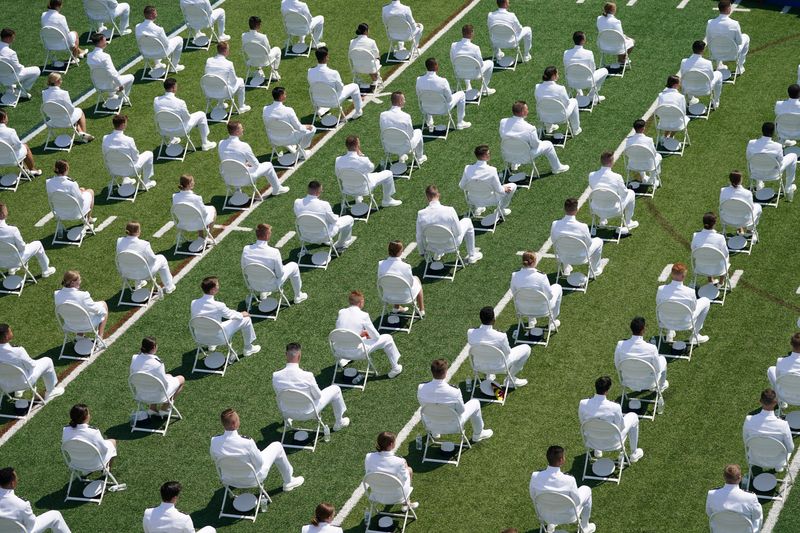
790 192
463 125
179 68
150 184
224 37
170 289
210 145
140 285
252 350
561 169
506 212
554 325
599 98
300 298
485 434
591 528
321 44
566 270
391 202
422 159
393 373
414 505
55 393
598 454
474 258
293 483
343 423
49 272
500 55
489 91
552 127
789 142
670 336
633 224
517 382
400 309
349 242
281 190
430 125
636 455
699 339
479 211
358 114
577 132
244 109
526 58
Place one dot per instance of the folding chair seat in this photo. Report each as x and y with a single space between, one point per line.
8 158
386 490
602 435
12 526
347 346
612 43
311 229
172 126
671 118
136 276
297 406
605 204
149 390
236 177
787 125
237 472
637 375
362 64
766 168
395 290
256 58
503 37
468 69
675 316
707 261
281 134
122 170
553 111
696 83
75 321
56 43
438 242
480 194
724 49
11 259
488 359
189 220
399 31
787 386
100 14
298 27
324 96
433 103
12 381
57 118
154 53
198 19
442 419
730 522
554 509
531 304
640 160
208 335
108 93
65 208
10 83
355 185
83 458
217 90
739 214
580 79
517 152
261 280
572 251
768 453
397 142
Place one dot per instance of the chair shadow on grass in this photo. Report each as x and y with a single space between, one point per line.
209 516
55 500
576 471
123 431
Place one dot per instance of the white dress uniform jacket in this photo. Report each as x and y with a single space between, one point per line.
516 357
363 165
170 102
167 519
482 171
27 75
569 226
530 277
397 9
221 66
149 363
580 55
34 369
552 479
317 25
322 73
724 25
605 178
142 161
676 291
710 237
673 97
262 253
598 406
551 89
465 47
397 267
235 148
273 52
9 136
295 378
93 436
363 42
431 81
785 365
519 128
439 391
444 215
395 117
208 212
788 162
638 348
313 205
54 18
157 263
15 508
100 59
740 193
389 463
97 310
731 498
611 22
523 33
172 46
59 95
698 62
324 527
790 105
278 111
766 424
353 319
230 443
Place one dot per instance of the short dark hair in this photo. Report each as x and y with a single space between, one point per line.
148 344
170 84
7 476
254 22
607 158
119 120
768 397
321 54
639 125
351 142
431 191
487 315
362 28
549 72
5 331
54 4
698 46
61 166
709 220
7 33
232 126
439 368
396 97
578 38
209 283
78 414
170 490
314 186
395 248
385 441
467 29
637 325
518 107
431 64
795 341
97 38
554 455
571 204
794 91
723 4
673 80
735 177
768 129
222 47
481 150
148 10
602 384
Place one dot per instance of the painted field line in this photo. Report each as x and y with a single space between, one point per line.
665 273
737 275
238 228
283 240
163 229
682 4
408 249
631 3
44 220
104 224
798 290
580 1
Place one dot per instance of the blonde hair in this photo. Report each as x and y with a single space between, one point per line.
529 259
186 182
133 228
53 79
355 297
71 278
609 8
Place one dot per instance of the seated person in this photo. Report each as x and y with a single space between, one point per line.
735 190
395 265
672 96
528 277
79 428
362 41
186 195
33 369
570 227
523 33
516 127
217 16
166 516
723 25
10 234
234 321
605 178
337 225
118 141
437 214
27 76
322 73
99 59
221 66
132 243
62 183
355 160
438 391
552 479
148 362
169 101
516 357
173 46
766 424
317 23
465 47
15 509
54 93
639 138
731 497
384 460
708 236
599 406
323 520
236 149
432 82
550 89
262 253
582 56
482 171
53 18
21 149
786 365
273 52
71 293
118 10
609 21
786 162
696 61
790 105
397 9
292 377
277 110
395 117
676 291
638 348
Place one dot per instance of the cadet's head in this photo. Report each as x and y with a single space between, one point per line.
602 384
54 79
7 35
352 143
529 259
71 279
314 188
637 325
467 31
150 12
223 48
709 220
769 399
293 352
550 73
324 513
609 8
263 232
795 342
133 228
678 272
578 38
395 248
55 4
398 99
698 47
8 478
229 419
356 298
254 23
768 129
210 285
432 193
520 109
732 474
482 152
61 167
171 85
735 178
120 122
362 29
99 40
149 345
639 125
607 159
186 182
673 82
5 333
322 54
386 440
794 91
170 491
439 368
3 211
555 456
724 7
487 315
279 94
571 206
79 414
431 65
235 128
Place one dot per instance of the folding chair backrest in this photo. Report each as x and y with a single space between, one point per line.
788 125
579 76
599 434
151 47
736 212
235 173
65 206
605 202
611 42
480 194
237 471
280 133
147 388
788 388
394 290
730 522
396 141
8 76
637 374
9 256
196 16
187 217
441 418
439 239
56 115
433 102
324 95
260 278
74 318
353 182
102 80
311 228
398 28
670 118
361 61
502 35
12 379
82 455
531 302
296 24
214 87
674 315
171 124
208 332
119 163
551 110
555 508
708 261
515 151
639 158
7 525
54 39
487 359
346 344
764 167
132 266
256 54
384 488
723 48
467 67
8 157
97 10
766 451
571 250
696 83
296 405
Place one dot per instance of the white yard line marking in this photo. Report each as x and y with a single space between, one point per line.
798 290
631 3
238 228
408 249
104 224
283 240
665 273
44 220
580 1
163 229
683 4
735 278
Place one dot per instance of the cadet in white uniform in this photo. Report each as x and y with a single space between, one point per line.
605 178
62 183
101 60
262 253
217 16
166 518
482 171
671 95
169 101
148 362
234 321
640 139
697 62
322 73
437 214
676 291
230 443
524 33
173 46
292 377
53 18
355 319
431 81
54 93
609 21
396 9
355 160
516 127
78 427
731 497
322 521
11 235
118 141
22 150
277 110
438 391
34 369
582 56
552 479
638 348
570 226
221 66
27 75
70 292
465 47
395 266
317 23
255 36
549 88
362 41
708 236
787 162
385 461
790 105
186 195
395 117
515 357
786 365
14 508
118 10
766 424
735 190
528 277
598 406
337 225
724 26
156 263
236 149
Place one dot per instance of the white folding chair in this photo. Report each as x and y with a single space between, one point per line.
100 14
13 381
57 118
172 126
737 213
768 453
530 303
671 118
434 103
554 509
722 49
602 435
488 359
787 386
517 152
766 168
439 241
198 19
66 208
7 525
572 251
236 177
730 522
442 419
637 375
707 261
349 346
675 316
75 322
83 458
56 43
135 271
580 79
148 390
605 204
256 57
393 291
551 110
467 68
503 37
122 170
189 220
10 83
281 134
8 158
108 93
397 142
297 26
296 405
612 43
696 83
787 125
260 280
154 53
217 90
362 64
311 229
354 185
208 335
480 194
400 31
326 97
386 490
640 159
238 472
11 259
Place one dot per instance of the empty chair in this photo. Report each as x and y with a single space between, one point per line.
670 118
83 457
148 390
238 472
346 347
602 435
58 118
236 177
442 419
297 406
56 44
218 91
170 126
395 291
387 490
136 274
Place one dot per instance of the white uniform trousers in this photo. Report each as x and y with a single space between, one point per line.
266 169
245 324
628 205
317 27
547 149
486 73
218 18
28 76
343 229
351 90
773 376
743 49
505 201
88 198
199 120
599 76
417 144
631 430
44 369
472 412
35 248
700 312
629 43
275 57
585 507
127 83
517 358
305 136
332 395
97 318
123 13
50 521
291 272
384 178
274 454
789 166
386 343
459 101
162 267
174 49
238 91
526 36
574 114
595 253
468 234
417 35
145 165
557 292
716 87
210 214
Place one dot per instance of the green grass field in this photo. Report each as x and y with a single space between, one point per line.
685 448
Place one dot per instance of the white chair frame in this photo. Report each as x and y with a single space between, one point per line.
627 385
228 96
66 49
560 271
18 166
15 85
489 350
261 499
179 237
329 242
432 439
97 344
20 264
150 60
663 328
408 508
698 271
130 284
596 218
620 39
637 165
753 233
518 152
36 398
254 294
659 129
432 252
167 136
76 474
288 421
106 92
523 317
355 339
142 405
352 175
415 312
52 129
784 483
511 42
444 110
231 356
235 188
622 462
389 150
